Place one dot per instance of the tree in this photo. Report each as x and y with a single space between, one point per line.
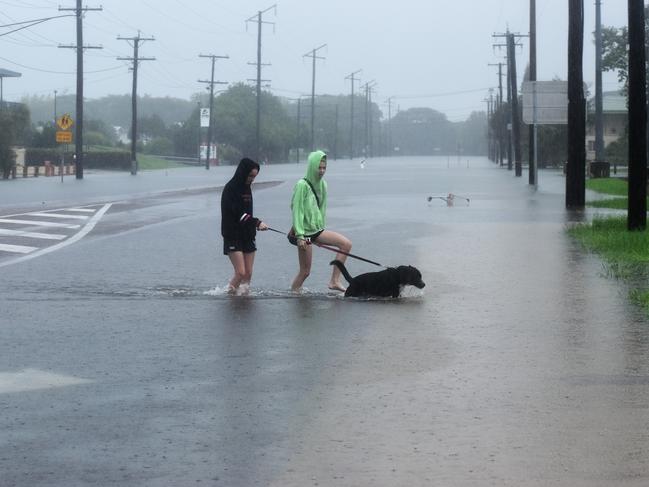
615 50
152 126
7 155
13 129
235 123
423 131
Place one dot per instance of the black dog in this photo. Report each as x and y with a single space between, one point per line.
383 283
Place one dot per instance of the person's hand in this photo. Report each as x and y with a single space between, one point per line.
302 244
262 226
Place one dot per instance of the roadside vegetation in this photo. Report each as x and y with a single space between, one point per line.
626 253
145 161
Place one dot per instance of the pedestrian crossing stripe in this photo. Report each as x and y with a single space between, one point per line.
87 228
58 215
37 223
23 233
18 249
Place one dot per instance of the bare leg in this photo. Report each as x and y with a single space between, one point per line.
304 258
239 266
343 243
248 262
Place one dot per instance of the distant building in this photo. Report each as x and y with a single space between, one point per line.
614 121
122 134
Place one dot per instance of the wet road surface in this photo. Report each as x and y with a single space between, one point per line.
123 363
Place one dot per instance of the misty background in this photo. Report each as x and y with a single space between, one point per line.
428 64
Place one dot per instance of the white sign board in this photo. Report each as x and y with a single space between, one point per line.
205 117
545 102
213 152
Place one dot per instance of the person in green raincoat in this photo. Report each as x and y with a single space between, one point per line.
309 208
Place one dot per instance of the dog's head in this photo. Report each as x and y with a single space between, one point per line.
410 276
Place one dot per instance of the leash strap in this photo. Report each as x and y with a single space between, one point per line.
334 249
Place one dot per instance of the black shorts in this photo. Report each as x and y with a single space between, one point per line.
312 237
245 246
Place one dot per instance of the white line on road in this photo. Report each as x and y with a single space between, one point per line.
81 210
76 237
18 249
37 223
22 233
58 215
34 379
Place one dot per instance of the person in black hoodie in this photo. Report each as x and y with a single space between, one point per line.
238 226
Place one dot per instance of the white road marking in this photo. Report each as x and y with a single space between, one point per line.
22 233
58 215
34 379
17 249
76 237
81 210
37 223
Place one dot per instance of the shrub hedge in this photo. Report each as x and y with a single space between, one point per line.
117 160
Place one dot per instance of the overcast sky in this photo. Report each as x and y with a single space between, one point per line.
432 53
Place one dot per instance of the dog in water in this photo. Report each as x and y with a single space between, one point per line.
386 283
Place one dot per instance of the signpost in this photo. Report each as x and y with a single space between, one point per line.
544 103
64 136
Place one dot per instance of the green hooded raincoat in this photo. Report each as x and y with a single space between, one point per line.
308 218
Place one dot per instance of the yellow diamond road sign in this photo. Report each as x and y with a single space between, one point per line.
64 122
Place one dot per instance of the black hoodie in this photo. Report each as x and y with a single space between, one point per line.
237 222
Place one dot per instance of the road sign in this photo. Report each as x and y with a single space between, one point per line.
64 137
64 122
205 117
546 102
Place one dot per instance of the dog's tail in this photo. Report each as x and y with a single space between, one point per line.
343 270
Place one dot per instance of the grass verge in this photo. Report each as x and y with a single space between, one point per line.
145 161
614 186
626 253
610 186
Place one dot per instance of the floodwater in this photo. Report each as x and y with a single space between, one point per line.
520 363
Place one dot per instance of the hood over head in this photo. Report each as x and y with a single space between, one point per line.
243 170
313 165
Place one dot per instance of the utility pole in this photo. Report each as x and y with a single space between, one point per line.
599 124
336 135
532 171
367 138
370 138
199 131
352 78
211 82
312 55
516 127
136 59
507 122
389 127
575 171
637 126
297 155
257 18
512 99
78 127
501 116
490 144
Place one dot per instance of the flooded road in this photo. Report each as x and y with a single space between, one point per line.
122 362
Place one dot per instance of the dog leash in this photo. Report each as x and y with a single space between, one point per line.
334 249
